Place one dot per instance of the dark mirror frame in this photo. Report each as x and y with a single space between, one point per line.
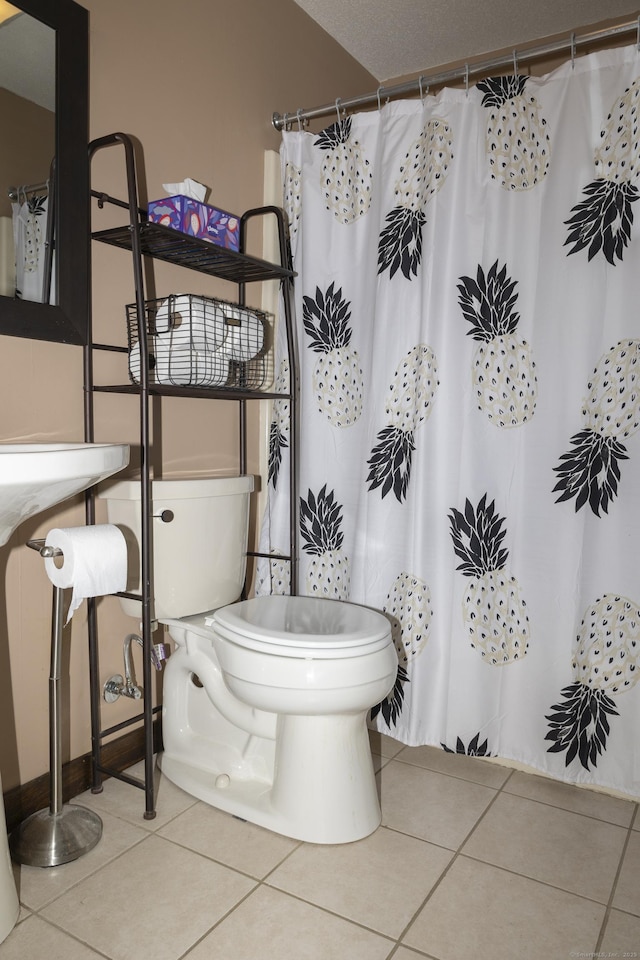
67 321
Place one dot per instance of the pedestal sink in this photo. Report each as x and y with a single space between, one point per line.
34 477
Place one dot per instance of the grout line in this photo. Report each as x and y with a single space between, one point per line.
614 885
456 854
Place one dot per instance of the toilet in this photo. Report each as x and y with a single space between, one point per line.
265 700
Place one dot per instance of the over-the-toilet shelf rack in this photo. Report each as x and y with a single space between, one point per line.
155 242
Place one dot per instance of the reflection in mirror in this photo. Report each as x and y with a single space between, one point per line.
27 114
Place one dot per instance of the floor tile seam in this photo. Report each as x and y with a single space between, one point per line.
82 879
204 856
428 897
420 955
453 776
578 813
222 863
73 936
456 854
526 876
413 836
614 886
225 916
333 913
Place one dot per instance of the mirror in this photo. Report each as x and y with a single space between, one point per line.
52 95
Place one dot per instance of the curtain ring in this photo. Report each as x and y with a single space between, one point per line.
299 117
338 110
466 79
423 93
515 63
573 51
378 95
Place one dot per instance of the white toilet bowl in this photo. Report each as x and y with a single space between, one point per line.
264 715
264 701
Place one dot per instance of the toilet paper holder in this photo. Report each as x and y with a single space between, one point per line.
63 832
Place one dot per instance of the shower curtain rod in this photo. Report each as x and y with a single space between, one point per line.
421 85
14 192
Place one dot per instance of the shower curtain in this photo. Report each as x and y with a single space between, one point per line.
468 281
29 215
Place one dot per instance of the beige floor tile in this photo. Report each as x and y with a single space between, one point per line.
233 842
565 849
403 953
35 939
627 895
126 801
384 745
38 886
429 805
621 936
348 879
156 894
481 911
271 925
570 797
455 765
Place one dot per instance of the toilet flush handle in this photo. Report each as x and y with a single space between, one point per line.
166 516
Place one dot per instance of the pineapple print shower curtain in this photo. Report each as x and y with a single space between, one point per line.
468 299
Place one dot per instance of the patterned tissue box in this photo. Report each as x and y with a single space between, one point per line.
197 220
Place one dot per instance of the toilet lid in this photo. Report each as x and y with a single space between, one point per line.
308 623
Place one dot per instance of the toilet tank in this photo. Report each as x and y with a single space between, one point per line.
199 553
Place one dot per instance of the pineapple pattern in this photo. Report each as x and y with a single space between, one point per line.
274 576
345 175
320 526
611 412
475 748
33 235
602 221
410 611
503 367
493 610
279 427
293 199
337 377
525 365
409 403
422 174
517 141
605 662
409 608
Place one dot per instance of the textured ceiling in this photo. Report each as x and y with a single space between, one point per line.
394 38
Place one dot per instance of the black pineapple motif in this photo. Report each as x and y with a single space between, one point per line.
475 748
602 221
391 706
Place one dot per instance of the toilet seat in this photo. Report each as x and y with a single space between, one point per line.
302 627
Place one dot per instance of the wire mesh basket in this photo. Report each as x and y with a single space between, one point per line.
201 341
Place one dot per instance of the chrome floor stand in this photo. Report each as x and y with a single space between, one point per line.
63 832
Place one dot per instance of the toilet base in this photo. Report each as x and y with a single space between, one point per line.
323 788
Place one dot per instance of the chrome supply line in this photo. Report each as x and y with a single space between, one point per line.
419 86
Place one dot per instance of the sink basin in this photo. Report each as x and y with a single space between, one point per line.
35 476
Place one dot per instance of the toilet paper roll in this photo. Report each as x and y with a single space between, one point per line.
94 561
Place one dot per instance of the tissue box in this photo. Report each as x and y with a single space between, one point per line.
197 220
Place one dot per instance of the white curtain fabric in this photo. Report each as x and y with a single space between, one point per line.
29 216
467 318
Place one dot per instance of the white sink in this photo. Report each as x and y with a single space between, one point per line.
35 476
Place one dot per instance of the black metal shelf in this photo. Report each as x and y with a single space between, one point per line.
163 243
205 393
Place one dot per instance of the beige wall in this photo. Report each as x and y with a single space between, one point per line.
196 85
26 156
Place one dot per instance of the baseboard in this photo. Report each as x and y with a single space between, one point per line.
21 801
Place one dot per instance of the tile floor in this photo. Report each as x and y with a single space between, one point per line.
472 860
